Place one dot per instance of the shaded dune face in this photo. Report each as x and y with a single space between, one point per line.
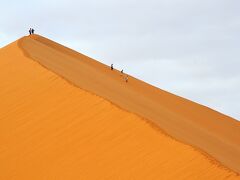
50 129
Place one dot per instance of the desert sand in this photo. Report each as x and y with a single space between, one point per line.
64 115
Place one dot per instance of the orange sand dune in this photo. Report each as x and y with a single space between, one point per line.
214 133
50 129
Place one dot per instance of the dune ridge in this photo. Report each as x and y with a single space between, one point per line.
50 129
191 123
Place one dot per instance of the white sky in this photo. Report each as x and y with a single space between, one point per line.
188 47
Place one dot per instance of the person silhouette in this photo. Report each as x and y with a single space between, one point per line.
33 31
111 66
126 78
122 71
30 31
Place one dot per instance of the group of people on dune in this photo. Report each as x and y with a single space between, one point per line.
125 77
31 31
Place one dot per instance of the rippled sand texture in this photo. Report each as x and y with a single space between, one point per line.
51 129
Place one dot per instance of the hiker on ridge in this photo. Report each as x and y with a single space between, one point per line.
111 66
30 31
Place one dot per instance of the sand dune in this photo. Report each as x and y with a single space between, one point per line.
215 133
51 129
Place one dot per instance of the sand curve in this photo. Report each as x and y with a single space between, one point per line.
194 124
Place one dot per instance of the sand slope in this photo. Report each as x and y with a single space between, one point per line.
214 133
50 129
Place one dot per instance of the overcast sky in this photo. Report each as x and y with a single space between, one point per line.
188 47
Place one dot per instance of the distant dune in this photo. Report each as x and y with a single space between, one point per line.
66 116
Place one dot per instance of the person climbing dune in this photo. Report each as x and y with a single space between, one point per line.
126 79
111 66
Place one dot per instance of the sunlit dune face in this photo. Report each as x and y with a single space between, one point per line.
51 129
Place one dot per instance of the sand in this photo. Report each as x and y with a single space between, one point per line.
106 129
191 123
